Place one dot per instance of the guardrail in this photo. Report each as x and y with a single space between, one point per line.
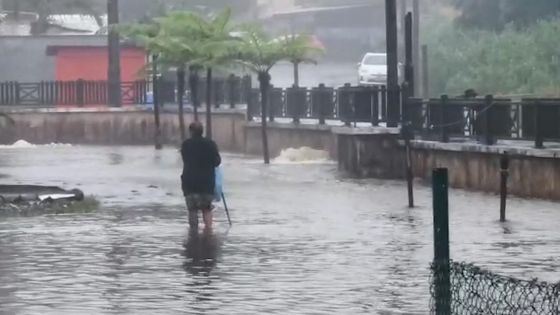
485 119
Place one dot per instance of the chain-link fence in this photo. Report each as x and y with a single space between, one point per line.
460 288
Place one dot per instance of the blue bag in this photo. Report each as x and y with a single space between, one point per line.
219 185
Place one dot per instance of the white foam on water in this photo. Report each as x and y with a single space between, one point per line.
22 144
303 155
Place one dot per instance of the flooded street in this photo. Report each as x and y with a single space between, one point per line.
304 239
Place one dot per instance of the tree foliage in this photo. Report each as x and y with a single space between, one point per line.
496 14
299 48
185 38
258 51
509 62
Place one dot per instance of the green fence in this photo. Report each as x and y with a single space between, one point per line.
477 291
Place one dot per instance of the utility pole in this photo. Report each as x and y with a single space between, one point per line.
393 99
416 45
114 50
403 5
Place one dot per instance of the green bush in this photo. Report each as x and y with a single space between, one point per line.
509 62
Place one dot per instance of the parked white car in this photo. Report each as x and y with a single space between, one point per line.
372 70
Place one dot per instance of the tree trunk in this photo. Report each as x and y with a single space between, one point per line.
296 74
209 103
40 26
114 74
180 96
155 83
264 82
193 85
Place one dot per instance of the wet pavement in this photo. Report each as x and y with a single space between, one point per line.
304 241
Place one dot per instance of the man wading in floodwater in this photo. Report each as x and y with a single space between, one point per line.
200 158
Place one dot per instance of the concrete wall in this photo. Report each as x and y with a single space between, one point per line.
379 153
24 58
116 127
370 152
533 173
283 136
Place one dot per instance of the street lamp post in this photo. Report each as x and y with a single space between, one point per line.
114 73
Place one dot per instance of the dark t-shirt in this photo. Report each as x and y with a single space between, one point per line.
200 158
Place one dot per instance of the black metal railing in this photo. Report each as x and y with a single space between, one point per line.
349 104
485 119
79 93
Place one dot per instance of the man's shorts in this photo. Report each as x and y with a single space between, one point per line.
202 202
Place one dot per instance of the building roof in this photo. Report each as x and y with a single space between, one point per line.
66 24
77 22
52 50
311 10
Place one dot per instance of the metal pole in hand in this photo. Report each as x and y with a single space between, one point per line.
226 207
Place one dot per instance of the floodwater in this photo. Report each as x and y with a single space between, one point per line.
304 239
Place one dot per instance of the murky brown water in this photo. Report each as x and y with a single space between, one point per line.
304 240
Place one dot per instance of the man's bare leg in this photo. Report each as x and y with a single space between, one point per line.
208 218
193 220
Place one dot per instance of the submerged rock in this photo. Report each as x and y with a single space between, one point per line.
28 200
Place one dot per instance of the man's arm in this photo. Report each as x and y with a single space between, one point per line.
217 157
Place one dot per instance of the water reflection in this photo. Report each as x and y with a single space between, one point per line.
115 158
200 252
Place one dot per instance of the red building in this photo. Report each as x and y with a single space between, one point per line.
91 63
81 74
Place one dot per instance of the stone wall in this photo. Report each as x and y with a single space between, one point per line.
370 152
283 136
533 173
378 153
116 128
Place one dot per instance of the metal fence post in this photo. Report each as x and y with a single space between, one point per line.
488 130
80 92
231 90
504 172
247 90
442 278
270 104
443 118
322 100
539 138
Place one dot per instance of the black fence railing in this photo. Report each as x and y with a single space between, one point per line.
349 104
83 93
71 93
484 119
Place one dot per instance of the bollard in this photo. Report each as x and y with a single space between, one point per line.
442 279
504 172
408 134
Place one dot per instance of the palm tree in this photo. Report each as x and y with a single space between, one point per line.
169 38
216 47
300 49
259 53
